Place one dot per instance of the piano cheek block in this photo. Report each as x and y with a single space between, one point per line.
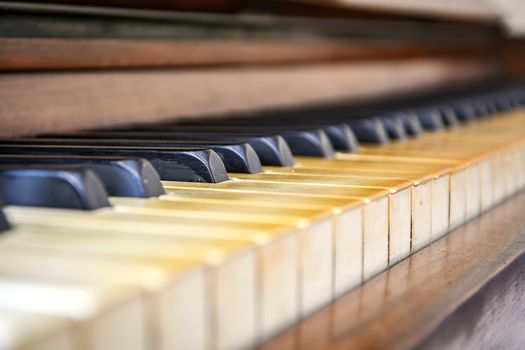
53 187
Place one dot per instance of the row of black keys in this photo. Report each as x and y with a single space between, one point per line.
78 170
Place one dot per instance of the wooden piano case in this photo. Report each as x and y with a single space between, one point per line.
67 66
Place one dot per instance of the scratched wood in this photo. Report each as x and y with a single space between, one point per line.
466 291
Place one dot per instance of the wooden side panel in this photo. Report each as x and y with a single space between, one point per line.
491 319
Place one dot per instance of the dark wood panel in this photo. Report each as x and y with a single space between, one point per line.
47 102
513 52
492 319
465 291
25 54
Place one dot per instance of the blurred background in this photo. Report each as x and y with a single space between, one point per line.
168 59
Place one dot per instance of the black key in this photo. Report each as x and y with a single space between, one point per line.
314 142
464 110
339 134
491 105
448 116
503 102
394 127
4 224
411 123
56 187
271 150
520 97
122 177
430 119
480 108
175 164
369 130
237 158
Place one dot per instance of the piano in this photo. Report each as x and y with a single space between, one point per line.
320 174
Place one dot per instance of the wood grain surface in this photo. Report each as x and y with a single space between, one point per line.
53 102
40 54
465 291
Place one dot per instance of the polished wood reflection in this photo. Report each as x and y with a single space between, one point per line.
411 303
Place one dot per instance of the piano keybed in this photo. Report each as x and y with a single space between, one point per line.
234 257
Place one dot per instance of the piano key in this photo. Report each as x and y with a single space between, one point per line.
399 198
357 121
312 142
425 178
410 224
458 182
394 127
464 110
474 188
84 305
411 123
470 154
277 244
491 105
271 150
448 116
312 257
239 158
33 331
252 212
346 226
430 119
481 107
126 177
168 270
52 186
480 155
346 217
369 130
376 206
340 134
315 143
503 102
172 163
4 224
